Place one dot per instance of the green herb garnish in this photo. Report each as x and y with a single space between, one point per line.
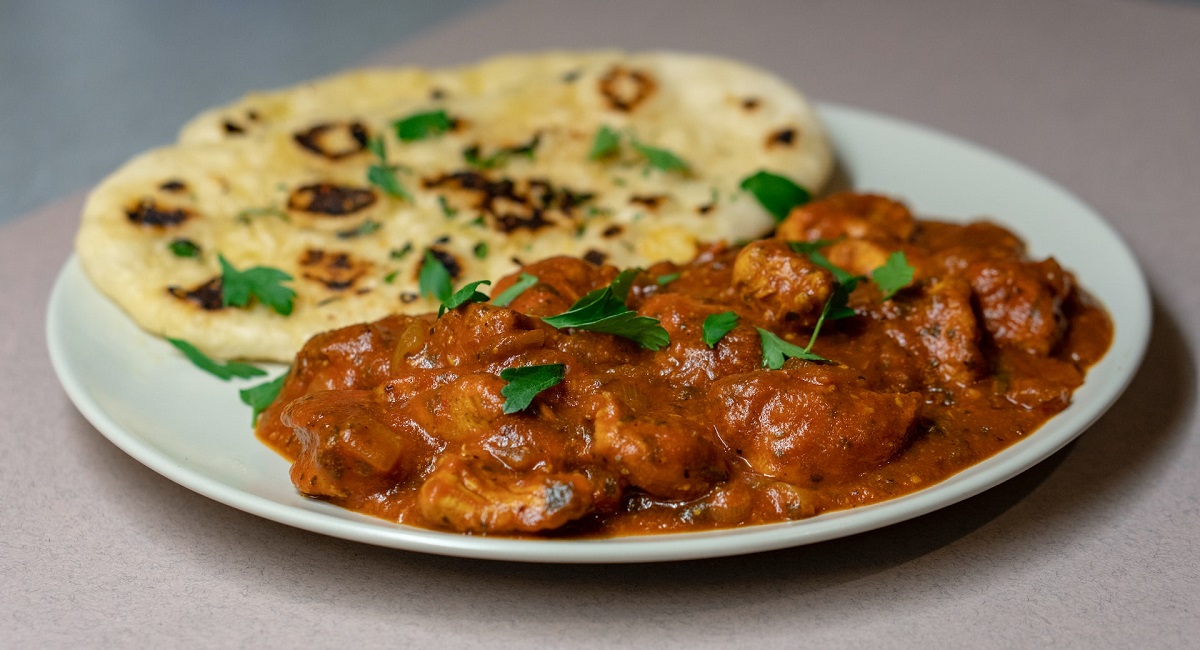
894 275
184 248
661 158
776 350
466 294
262 282
365 228
778 194
604 310
422 125
716 326
434 279
383 175
524 281
471 155
525 382
666 278
447 211
391 277
402 252
481 250
606 143
222 370
261 396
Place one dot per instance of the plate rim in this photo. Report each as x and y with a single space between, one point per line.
336 522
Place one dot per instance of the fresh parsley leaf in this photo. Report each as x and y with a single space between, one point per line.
383 175
464 295
604 310
524 281
661 158
434 279
666 278
221 370
481 250
778 194
402 252
605 144
184 248
716 326
447 211
262 282
260 396
776 350
525 382
422 125
471 155
365 228
894 275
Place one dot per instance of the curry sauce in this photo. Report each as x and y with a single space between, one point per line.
405 418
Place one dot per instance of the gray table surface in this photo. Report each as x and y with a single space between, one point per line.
1097 547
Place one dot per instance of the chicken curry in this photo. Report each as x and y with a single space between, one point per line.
764 382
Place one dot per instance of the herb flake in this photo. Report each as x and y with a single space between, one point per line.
383 175
184 248
223 370
661 158
776 350
894 275
778 194
605 144
604 310
260 396
420 126
525 382
524 281
716 326
262 282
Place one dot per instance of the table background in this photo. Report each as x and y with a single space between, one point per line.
1099 546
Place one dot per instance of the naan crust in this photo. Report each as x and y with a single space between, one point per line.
287 187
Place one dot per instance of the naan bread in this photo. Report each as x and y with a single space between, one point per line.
280 179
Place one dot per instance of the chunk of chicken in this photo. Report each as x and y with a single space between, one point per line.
856 216
662 453
1021 302
810 423
947 326
780 284
348 446
688 361
471 497
561 282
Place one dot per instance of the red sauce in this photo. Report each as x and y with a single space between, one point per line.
403 418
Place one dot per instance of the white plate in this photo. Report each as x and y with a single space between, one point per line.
191 427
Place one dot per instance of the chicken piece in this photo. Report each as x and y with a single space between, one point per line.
349 358
780 284
688 361
471 497
348 447
475 332
561 282
856 216
1021 303
947 326
662 453
810 423
464 409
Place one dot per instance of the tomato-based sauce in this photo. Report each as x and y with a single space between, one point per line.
405 418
